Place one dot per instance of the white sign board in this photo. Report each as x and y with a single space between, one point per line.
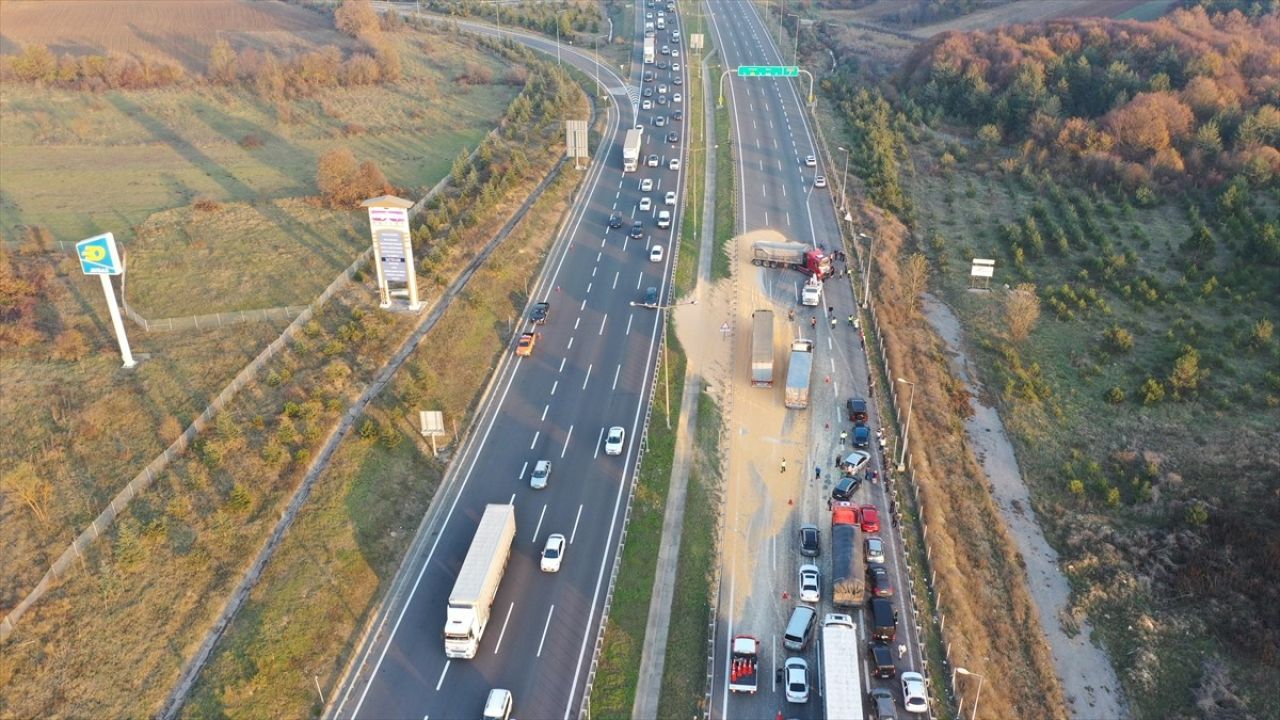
392 251
391 255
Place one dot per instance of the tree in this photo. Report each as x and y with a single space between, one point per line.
269 79
915 274
1022 310
222 62
344 182
36 64
1186 375
1149 123
356 18
34 491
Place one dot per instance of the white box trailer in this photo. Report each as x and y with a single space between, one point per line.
648 51
478 580
631 149
841 669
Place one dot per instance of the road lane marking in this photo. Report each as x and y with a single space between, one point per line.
574 534
554 385
583 306
625 240
566 441
598 256
561 365
504 627
602 321
629 319
570 345
545 408
788 218
587 378
576 322
639 279
440 682
615 279
535 439
594 268
524 467
615 376
766 218
538 529
588 288
599 441
544 630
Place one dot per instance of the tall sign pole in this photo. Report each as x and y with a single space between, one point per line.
393 249
99 256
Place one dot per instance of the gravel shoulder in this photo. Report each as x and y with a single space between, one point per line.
1088 679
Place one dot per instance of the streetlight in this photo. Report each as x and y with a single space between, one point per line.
977 695
844 197
906 433
797 50
666 365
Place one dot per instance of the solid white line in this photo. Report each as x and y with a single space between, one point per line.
504 627
566 441
545 408
602 321
445 670
574 534
587 378
538 529
535 439
544 629
615 377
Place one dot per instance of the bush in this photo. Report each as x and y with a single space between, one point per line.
1261 336
1115 395
1118 339
1152 392
1196 514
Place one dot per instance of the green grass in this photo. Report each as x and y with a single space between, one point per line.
691 229
684 671
613 694
1147 11
726 197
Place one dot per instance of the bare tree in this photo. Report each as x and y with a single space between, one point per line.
1021 311
915 275
33 490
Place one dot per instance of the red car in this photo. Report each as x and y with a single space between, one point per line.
870 518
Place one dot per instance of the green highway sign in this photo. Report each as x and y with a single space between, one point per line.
768 71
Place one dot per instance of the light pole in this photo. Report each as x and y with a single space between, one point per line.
866 273
666 365
796 60
976 696
906 432
844 195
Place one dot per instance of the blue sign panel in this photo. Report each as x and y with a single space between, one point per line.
98 255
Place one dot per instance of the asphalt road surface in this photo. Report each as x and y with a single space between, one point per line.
771 138
592 368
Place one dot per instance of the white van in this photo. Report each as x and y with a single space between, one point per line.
498 705
799 627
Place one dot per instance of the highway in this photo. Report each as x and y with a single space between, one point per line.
771 138
592 368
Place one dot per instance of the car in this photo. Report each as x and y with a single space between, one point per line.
648 16
845 487
655 253
675 52
809 541
541 312
666 50
646 104
647 92
659 120
675 36
882 705
662 89
857 408
810 583
673 137
810 161
648 76
875 549
819 181
796 672
861 436
646 204
675 67
637 230
855 462
870 518
541 471
615 220
914 698
662 99
652 161
881 583
882 665
553 553
650 296
673 164
524 348
669 198
498 705
646 185
677 80
677 115
614 440
662 65
664 219
676 98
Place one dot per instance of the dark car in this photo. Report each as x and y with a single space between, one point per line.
541 312
845 488
677 80
662 64
647 92
677 115
615 220
882 662
861 436
857 408
673 137
884 620
809 541
651 296
883 701
662 99
881 584
637 230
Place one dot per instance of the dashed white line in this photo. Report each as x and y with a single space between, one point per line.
587 378
599 440
570 345
583 306
566 442
615 376
629 319
504 627
561 365
545 408
523 467
538 529
588 288
615 280
554 385
535 438
440 682
544 630
602 322
576 323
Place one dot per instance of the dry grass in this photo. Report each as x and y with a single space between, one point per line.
177 31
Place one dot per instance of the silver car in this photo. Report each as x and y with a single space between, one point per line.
810 582
875 549
797 675
541 471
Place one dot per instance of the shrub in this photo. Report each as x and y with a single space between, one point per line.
1196 514
1115 395
239 500
369 429
1076 487
1186 374
1118 339
1152 391
1261 336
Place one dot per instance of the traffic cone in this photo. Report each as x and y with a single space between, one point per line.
786 595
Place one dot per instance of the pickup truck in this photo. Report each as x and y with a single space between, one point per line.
743 664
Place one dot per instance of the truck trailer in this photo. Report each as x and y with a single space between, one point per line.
744 664
846 563
478 580
793 255
631 149
841 669
798 372
648 51
762 348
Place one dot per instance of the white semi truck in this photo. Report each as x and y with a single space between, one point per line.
648 51
841 669
478 580
631 150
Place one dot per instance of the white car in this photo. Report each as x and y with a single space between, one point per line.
664 219
675 67
673 164
614 440
675 52
655 253
797 675
811 161
659 120
553 553
652 161
670 198
541 471
676 98
646 204
809 583
819 181
913 693
646 104
875 549
675 36
646 185
498 705
662 89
